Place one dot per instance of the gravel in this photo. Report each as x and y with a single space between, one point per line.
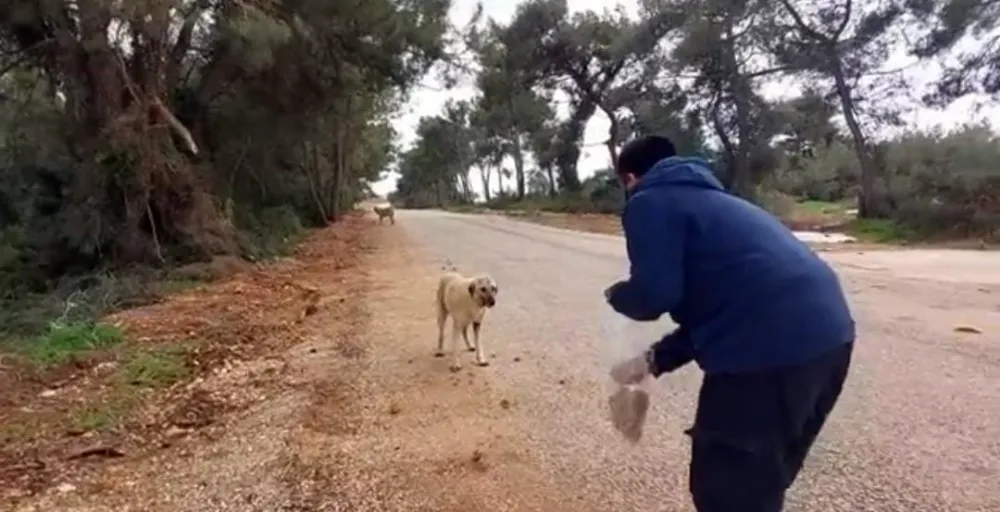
367 418
917 428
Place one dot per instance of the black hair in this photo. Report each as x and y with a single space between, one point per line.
640 155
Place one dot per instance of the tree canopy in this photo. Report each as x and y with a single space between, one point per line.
171 131
158 133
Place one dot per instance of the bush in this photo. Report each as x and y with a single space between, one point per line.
268 234
776 202
937 184
831 174
946 184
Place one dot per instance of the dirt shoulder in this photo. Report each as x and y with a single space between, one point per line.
156 422
309 385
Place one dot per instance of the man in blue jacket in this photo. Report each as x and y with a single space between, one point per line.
761 314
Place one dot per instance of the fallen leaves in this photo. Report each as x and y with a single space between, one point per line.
247 313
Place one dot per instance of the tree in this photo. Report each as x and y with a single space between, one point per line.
722 43
434 171
824 40
509 108
593 58
667 112
180 119
807 123
544 144
949 22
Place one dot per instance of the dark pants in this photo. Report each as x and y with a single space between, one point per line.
752 432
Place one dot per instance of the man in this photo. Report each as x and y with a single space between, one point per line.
761 314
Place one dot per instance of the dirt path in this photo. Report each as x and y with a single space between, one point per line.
393 429
352 416
338 404
916 428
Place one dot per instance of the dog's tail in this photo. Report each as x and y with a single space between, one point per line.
442 310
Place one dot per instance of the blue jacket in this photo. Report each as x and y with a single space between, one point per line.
747 295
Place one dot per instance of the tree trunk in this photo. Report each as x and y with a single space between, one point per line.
742 181
728 147
463 182
314 177
552 181
612 142
518 155
870 204
339 169
570 137
484 174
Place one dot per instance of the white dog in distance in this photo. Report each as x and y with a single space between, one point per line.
385 211
466 300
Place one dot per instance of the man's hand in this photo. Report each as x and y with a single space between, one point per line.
610 291
624 303
632 371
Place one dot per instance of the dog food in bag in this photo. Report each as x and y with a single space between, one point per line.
629 404
628 411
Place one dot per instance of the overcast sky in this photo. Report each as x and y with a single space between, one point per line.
429 99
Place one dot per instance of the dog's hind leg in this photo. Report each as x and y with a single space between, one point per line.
442 318
480 356
455 331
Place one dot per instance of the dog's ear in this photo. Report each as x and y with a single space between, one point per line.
472 289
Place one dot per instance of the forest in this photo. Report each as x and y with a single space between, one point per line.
138 137
698 72
141 137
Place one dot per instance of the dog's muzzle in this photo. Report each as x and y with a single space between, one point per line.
490 302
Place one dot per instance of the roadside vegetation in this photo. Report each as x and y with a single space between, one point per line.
836 155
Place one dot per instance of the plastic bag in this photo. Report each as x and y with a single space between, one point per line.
626 339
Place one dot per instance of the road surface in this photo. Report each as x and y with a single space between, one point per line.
359 416
917 428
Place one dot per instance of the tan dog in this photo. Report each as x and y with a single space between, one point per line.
466 300
385 210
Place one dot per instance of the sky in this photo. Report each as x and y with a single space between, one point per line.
430 97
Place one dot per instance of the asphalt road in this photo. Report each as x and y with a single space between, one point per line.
917 428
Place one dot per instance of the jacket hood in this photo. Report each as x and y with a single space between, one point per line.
680 172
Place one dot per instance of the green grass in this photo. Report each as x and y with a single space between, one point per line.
104 416
25 315
96 418
144 368
62 342
879 231
154 368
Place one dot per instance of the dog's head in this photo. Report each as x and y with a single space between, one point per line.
483 290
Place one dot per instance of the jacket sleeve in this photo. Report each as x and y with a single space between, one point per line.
654 238
672 352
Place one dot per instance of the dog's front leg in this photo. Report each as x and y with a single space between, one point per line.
480 356
465 336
